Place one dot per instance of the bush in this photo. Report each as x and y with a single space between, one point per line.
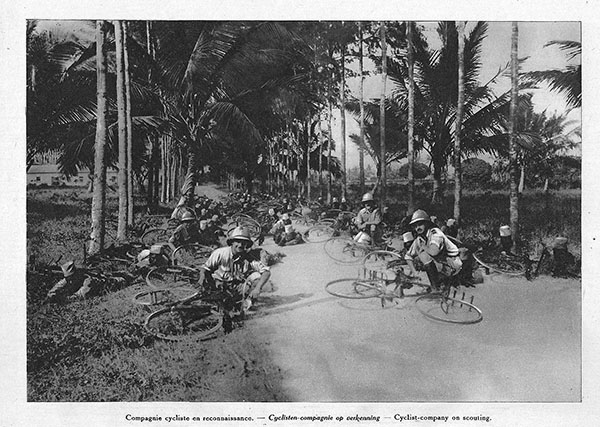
420 171
476 172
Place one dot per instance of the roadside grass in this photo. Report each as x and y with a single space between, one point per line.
98 350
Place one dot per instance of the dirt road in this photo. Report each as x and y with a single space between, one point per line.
527 348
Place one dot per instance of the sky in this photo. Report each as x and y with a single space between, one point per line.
495 55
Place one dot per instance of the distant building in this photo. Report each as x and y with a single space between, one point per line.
49 175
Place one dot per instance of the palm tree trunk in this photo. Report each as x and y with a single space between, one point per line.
129 130
122 175
411 118
514 170
307 124
522 179
438 167
382 111
343 120
99 195
329 177
460 103
361 151
321 139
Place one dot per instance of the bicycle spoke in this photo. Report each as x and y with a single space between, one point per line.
172 277
192 255
163 296
345 250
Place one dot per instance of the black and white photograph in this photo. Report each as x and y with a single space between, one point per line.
260 218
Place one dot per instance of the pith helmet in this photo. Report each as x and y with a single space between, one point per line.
240 233
418 216
367 197
68 268
188 216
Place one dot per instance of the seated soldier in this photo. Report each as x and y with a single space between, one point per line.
184 205
335 203
187 232
440 257
287 236
231 268
368 221
149 258
279 226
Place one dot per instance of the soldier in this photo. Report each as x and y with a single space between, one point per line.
77 285
433 248
368 220
232 268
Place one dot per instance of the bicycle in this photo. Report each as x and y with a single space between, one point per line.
183 318
191 254
512 264
334 222
347 251
189 312
436 304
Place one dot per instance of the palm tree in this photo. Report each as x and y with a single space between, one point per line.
566 81
458 123
411 116
123 166
361 151
225 64
436 92
514 195
99 196
541 158
129 124
382 111
396 146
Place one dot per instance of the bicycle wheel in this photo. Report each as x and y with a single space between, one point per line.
449 310
345 250
299 219
191 254
240 217
175 276
327 221
184 321
354 288
163 296
155 235
318 234
383 261
504 264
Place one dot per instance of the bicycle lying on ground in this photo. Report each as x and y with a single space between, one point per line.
437 304
187 310
512 264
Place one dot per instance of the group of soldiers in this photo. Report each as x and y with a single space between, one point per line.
427 246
